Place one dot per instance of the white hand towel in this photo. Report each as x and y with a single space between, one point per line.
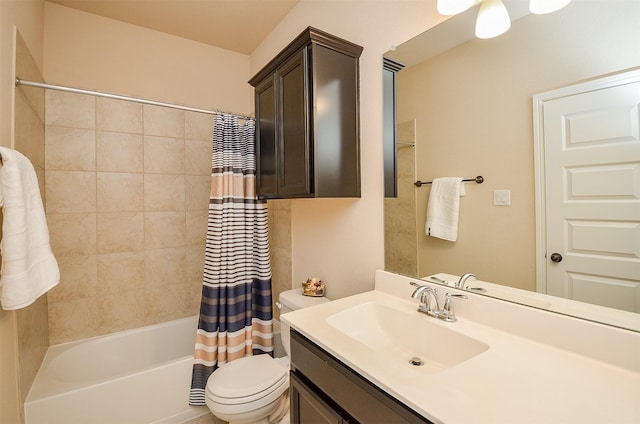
443 208
29 268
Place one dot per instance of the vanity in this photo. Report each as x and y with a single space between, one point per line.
372 357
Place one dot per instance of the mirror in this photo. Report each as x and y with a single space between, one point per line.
464 108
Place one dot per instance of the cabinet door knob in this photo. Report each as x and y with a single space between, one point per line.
556 257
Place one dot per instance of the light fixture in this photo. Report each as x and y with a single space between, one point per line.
493 19
453 7
540 7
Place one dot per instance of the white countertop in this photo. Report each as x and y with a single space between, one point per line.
517 380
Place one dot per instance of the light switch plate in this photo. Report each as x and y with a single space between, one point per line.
501 197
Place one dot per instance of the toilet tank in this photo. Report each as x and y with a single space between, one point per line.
292 300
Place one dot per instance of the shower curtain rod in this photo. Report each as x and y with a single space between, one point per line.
127 98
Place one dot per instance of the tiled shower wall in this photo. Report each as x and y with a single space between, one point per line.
280 248
126 197
400 226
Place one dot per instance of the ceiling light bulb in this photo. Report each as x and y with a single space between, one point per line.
453 7
493 19
540 7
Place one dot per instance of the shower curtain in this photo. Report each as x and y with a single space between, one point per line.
235 313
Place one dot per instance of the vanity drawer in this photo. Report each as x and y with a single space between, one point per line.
361 400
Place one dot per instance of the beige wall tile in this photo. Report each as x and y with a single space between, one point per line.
163 155
166 303
164 229
78 278
163 121
119 192
120 232
28 70
70 110
197 227
29 130
164 192
70 191
193 299
25 332
118 116
126 263
165 267
73 320
70 149
195 265
72 234
41 185
197 157
280 204
33 341
280 229
198 126
197 192
119 152
119 312
120 272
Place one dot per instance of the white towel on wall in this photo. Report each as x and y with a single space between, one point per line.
444 207
29 268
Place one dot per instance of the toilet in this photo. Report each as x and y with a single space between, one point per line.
254 389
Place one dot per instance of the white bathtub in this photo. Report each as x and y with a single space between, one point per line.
138 376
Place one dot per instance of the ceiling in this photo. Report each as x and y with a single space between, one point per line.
236 25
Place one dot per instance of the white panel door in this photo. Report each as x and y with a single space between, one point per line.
592 186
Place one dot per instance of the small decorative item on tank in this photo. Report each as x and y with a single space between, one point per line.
313 287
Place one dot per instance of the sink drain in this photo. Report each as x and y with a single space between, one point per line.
416 361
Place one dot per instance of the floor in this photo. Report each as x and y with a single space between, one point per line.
205 419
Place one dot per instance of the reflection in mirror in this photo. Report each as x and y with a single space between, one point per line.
468 110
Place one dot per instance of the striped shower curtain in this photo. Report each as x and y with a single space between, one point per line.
235 313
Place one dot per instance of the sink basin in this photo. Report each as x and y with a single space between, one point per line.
403 336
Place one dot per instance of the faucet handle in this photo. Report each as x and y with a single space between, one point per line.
448 313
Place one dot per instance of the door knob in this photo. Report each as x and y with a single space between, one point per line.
556 257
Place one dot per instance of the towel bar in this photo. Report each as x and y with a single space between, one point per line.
479 179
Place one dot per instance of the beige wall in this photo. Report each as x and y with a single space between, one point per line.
87 51
478 121
341 240
27 16
15 327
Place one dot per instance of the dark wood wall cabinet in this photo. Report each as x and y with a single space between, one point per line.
324 390
307 119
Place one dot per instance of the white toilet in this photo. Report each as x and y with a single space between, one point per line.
253 389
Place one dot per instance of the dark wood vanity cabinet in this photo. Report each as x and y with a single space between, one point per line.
324 390
307 119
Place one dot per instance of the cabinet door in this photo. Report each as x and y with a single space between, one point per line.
308 407
294 176
266 172
335 123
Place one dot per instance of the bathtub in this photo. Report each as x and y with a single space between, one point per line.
136 376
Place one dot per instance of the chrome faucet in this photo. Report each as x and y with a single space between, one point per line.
429 296
426 294
460 283
447 313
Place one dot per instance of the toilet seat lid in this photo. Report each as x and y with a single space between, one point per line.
246 379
